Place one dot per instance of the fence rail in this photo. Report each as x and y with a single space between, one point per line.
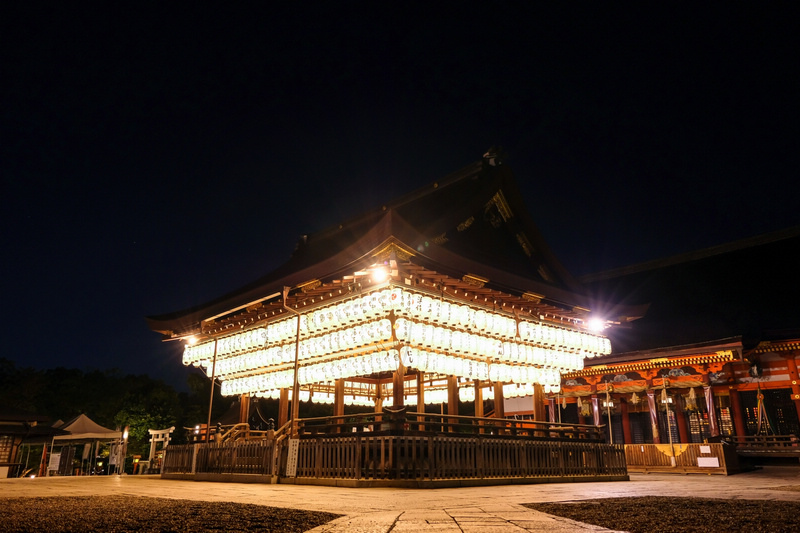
713 458
411 447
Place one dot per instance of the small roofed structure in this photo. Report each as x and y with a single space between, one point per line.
16 426
81 430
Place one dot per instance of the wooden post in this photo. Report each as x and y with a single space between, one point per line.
244 408
478 399
499 402
452 400
398 382
421 399
283 407
338 397
479 403
539 411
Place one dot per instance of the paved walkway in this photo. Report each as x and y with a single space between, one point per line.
484 509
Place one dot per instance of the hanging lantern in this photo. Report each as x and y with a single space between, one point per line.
635 399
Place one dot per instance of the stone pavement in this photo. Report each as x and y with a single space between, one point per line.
484 509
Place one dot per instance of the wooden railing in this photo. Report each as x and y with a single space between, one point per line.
440 457
410 447
712 458
389 423
235 457
766 445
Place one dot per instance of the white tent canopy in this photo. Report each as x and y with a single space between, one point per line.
84 429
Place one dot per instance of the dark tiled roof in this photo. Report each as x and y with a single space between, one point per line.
746 289
472 221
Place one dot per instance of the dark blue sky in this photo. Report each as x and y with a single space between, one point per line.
156 155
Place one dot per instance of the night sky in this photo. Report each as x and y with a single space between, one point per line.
158 155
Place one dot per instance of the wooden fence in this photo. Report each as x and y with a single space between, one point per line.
409 448
713 458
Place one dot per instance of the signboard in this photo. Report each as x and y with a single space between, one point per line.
291 459
708 462
55 458
705 449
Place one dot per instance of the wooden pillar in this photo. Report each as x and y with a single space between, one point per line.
398 381
338 397
499 401
283 408
452 400
680 418
378 398
651 404
627 435
421 399
244 408
539 411
737 413
478 399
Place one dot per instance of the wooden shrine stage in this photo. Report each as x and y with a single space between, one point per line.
415 450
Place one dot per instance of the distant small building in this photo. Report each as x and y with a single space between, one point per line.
16 426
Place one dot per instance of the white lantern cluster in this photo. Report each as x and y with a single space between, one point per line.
586 344
435 336
437 363
456 315
362 365
374 305
479 346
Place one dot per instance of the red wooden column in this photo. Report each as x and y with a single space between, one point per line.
680 419
792 364
627 435
737 413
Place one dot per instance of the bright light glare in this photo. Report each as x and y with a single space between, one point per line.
192 340
379 274
596 324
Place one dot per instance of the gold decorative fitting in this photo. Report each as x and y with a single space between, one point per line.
385 253
660 360
499 200
440 239
254 307
523 241
467 223
474 280
532 297
310 285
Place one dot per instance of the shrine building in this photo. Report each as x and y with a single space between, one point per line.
446 296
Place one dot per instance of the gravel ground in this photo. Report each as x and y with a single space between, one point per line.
116 514
648 514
